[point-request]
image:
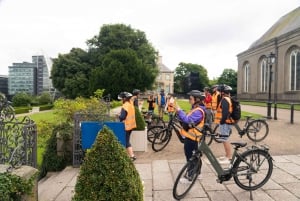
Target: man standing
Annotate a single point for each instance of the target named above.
(208, 104)
(222, 117)
(216, 98)
(161, 102)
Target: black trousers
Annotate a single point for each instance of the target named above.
(189, 147)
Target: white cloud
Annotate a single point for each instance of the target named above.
(210, 33)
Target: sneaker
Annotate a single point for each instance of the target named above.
(222, 158)
(184, 181)
(133, 158)
(225, 161)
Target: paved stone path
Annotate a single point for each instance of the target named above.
(159, 175)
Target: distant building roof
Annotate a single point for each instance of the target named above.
(162, 67)
(285, 24)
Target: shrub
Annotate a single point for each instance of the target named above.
(51, 161)
(107, 172)
(140, 122)
(12, 187)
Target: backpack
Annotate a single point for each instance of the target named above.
(236, 108)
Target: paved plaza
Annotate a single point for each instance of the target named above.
(159, 174)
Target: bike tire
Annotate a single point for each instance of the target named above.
(156, 121)
(261, 171)
(161, 140)
(180, 189)
(151, 132)
(257, 130)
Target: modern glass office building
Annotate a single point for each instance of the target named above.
(32, 78)
(4, 84)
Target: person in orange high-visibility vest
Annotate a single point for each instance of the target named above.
(216, 98)
(127, 116)
(171, 105)
(222, 117)
(195, 116)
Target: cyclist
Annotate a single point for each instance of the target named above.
(127, 116)
(208, 104)
(216, 98)
(161, 102)
(195, 116)
(223, 118)
(134, 98)
(171, 104)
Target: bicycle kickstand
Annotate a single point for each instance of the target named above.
(250, 180)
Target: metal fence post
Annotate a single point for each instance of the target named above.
(292, 113)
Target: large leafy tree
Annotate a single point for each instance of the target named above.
(229, 77)
(70, 73)
(78, 73)
(121, 70)
(183, 70)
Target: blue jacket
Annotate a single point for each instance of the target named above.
(195, 117)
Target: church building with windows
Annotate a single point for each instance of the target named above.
(270, 68)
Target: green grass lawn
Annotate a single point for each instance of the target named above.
(264, 104)
(48, 116)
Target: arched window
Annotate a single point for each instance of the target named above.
(246, 77)
(265, 73)
(294, 71)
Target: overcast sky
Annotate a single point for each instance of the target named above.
(210, 33)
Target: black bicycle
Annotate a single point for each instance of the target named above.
(161, 136)
(250, 169)
(152, 119)
(256, 130)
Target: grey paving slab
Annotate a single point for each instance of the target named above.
(220, 195)
(282, 195)
(293, 188)
(280, 176)
(243, 195)
(291, 168)
(145, 171)
(162, 177)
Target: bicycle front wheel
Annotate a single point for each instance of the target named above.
(152, 131)
(257, 130)
(253, 169)
(186, 178)
(161, 140)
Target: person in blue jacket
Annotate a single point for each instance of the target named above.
(196, 116)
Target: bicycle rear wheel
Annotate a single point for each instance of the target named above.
(186, 178)
(161, 140)
(253, 170)
(156, 121)
(257, 130)
(152, 131)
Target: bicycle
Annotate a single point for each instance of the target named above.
(161, 136)
(256, 130)
(250, 169)
(152, 120)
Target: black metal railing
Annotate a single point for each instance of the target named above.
(18, 137)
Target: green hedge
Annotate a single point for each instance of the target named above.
(107, 172)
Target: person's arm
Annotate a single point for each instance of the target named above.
(225, 111)
(195, 117)
(123, 115)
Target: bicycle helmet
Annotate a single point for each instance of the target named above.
(224, 88)
(215, 86)
(198, 95)
(206, 89)
(136, 92)
(124, 94)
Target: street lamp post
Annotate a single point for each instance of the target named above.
(271, 61)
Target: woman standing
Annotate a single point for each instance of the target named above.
(127, 116)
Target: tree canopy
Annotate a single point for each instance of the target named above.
(184, 70)
(229, 77)
(119, 58)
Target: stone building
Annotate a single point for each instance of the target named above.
(257, 78)
(165, 78)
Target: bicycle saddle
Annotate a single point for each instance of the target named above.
(239, 144)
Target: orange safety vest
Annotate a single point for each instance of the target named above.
(218, 115)
(214, 102)
(193, 133)
(130, 118)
